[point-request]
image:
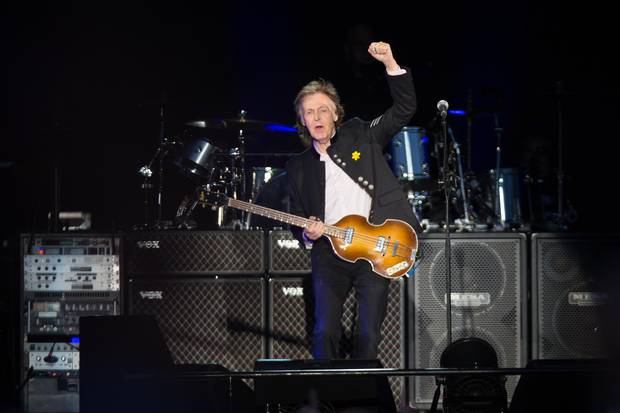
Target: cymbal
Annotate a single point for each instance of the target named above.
(237, 124)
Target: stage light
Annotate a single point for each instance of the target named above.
(471, 393)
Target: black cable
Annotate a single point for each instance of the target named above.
(29, 375)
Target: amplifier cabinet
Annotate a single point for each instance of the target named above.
(488, 301)
(291, 320)
(205, 321)
(286, 256)
(194, 253)
(570, 278)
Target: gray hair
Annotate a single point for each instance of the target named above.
(316, 86)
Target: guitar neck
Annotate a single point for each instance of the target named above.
(280, 216)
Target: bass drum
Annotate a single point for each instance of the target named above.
(271, 194)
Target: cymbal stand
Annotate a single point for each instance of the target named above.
(469, 128)
(241, 223)
(146, 186)
(242, 157)
(160, 187)
(499, 195)
(459, 164)
(146, 172)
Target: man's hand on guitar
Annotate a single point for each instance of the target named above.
(314, 229)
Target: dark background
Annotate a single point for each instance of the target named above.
(86, 82)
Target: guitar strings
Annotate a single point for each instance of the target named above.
(338, 232)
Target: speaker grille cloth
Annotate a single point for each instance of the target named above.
(206, 321)
(286, 256)
(568, 322)
(486, 303)
(200, 252)
(292, 321)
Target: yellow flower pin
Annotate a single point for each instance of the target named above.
(355, 155)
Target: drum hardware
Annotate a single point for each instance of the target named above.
(146, 172)
(568, 216)
(228, 165)
(459, 163)
(73, 220)
(184, 211)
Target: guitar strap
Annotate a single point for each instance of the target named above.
(374, 176)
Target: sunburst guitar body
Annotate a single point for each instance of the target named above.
(390, 248)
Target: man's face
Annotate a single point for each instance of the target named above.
(318, 112)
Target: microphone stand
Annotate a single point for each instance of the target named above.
(447, 187)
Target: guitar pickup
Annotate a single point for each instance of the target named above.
(380, 244)
(348, 235)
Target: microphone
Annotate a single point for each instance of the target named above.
(442, 107)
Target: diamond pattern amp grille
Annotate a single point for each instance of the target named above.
(286, 256)
(195, 252)
(292, 320)
(206, 320)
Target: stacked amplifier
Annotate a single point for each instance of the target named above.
(291, 317)
(65, 277)
(231, 297)
(206, 290)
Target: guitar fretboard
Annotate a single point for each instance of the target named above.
(282, 216)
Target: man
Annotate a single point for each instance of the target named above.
(342, 173)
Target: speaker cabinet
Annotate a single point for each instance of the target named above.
(205, 321)
(286, 256)
(194, 252)
(570, 274)
(291, 321)
(488, 300)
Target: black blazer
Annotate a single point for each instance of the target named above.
(306, 173)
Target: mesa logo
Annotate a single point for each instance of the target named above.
(293, 291)
(152, 295)
(148, 244)
(291, 244)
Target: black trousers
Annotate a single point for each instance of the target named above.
(332, 280)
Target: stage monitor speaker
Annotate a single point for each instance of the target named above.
(564, 391)
(570, 278)
(194, 253)
(488, 302)
(350, 393)
(291, 321)
(127, 367)
(205, 320)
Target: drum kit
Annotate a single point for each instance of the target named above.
(227, 155)
(480, 201)
(224, 155)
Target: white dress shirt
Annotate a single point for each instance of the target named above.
(343, 196)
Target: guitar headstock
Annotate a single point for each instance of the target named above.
(214, 199)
